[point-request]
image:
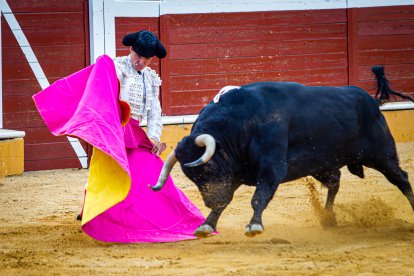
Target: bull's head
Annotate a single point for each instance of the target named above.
(204, 140)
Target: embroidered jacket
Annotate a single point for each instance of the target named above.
(141, 91)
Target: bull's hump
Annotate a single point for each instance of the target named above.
(224, 90)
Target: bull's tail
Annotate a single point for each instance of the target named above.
(383, 88)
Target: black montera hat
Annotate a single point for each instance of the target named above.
(145, 44)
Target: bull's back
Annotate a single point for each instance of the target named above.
(326, 127)
(307, 114)
(312, 107)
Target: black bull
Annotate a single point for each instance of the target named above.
(266, 133)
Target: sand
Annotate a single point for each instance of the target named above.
(39, 234)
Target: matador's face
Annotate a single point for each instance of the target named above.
(139, 62)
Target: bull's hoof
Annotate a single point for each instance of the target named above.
(203, 231)
(253, 230)
(329, 221)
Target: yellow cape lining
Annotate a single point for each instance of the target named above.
(108, 184)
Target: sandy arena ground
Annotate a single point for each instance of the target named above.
(375, 235)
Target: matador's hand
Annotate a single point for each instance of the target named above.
(158, 147)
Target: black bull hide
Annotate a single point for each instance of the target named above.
(266, 133)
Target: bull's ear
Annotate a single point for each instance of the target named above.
(182, 142)
(218, 145)
(183, 146)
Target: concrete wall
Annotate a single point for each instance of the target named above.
(11, 156)
(401, 124)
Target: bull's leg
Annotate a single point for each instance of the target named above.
(331, 181)
(216, 196)
(209, 225)
(398, 177)
(265, 189)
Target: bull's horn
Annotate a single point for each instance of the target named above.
(204, 140)
(165, 172)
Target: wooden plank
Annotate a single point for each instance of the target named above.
(50, 37)
(203, 97)
(52, 69)
(125, 25)
(391, 42)
(42, 135)
(23, 86)
(237, 33)
(19, 103)
(380, 28)
(22, 120)
(20, 87)
(219, 79)
(46, 6)
(49, 151)
(186, 109)
(137, 23)
(193, 97)
(45, 53)
(390, 13)
(52, 164)
(41, 21)
(262, 63)
(259, 19)
(259, 48)
(392, 71)
(17, 70)
(385, 57)
(401, 85)
(406, 85)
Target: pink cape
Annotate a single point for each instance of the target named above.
(121, 209)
